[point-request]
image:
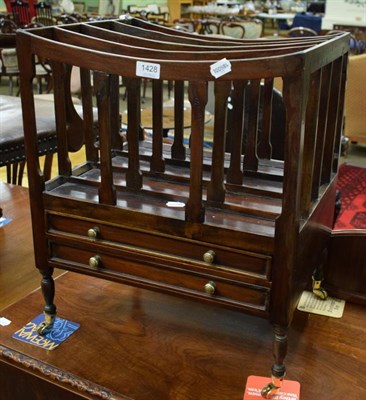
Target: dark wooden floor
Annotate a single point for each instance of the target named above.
(147, 345)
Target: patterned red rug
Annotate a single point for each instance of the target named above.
(351, 185)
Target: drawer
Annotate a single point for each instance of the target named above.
(159, 275)
(204, 253)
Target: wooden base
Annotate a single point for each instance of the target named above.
(137, 344)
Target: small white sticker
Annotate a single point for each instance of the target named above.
(175, 204)
(220, 68)
(4, 321)
(148, 70)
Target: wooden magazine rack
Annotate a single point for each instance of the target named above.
(249, 229)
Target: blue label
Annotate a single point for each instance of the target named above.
(4, 221)
(60, 331)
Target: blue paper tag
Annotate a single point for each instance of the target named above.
(4, 221)
(60, 331)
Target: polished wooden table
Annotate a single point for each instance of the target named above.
(138, 344)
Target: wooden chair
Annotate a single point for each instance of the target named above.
(22, 15)
(8, 56)
(209, 26)
(189, 25)
(249, 229)
(301, 31)
(44, 14)
(67, 19)
(233, 29)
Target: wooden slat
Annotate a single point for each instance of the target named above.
(216, 187)
(157, 162)
(103, 82)
(59, 76)
(334, 100)
(251, 158)
(197, 93)
(326, 74)
(133, 175)
(264, 149)
(91, 150)
(178, 149)
(312, 112)
(235, 172)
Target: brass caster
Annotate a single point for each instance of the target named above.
(273, 387)
(318, 291)
(44, 327)
(269, 390)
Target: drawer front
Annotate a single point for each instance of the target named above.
(200, 252)
(158, 274)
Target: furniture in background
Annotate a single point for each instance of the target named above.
(246, 231)
(310, 21)
(43, 13)
(233, 29)
(355, 116)
(187, 24)
(12, 152)
(22, 11)
(278, 18)
(8, 57)
(301, 31)
(177, 9)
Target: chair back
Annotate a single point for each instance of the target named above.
(233, 29)
(7, 26)
(187, 24)
(43, 14)
(21, 13)
(313, 22)
(210, 26)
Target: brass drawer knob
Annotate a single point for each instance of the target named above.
(93, 233)
(209, 256)
(95, 262)
(210, 288)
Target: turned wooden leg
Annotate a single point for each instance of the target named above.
(278, 368)
(48, 292)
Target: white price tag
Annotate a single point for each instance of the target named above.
(176, 204)
(220, 68)
(148, 70)
(4, 321)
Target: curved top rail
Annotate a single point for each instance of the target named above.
(111, 54)
(153, 31)
(132, 37)
(118, 47)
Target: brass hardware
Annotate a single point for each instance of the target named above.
(269, 390)
(273, 387)
(45, 326)
(210, 288)
(93, 233)
(209, 256)
(94, 262)
(318, 290)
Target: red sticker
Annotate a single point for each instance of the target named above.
(290, 390)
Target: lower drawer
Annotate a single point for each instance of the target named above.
(159, 276)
